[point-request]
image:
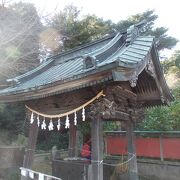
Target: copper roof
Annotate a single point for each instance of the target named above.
(120, 57)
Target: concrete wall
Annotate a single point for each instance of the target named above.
(79, 170)
(159, 170)
(148, 170)
(11, 158)
(70, 170)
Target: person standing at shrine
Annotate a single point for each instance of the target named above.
(86, 150)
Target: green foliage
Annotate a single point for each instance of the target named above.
(157, 118)
(84, 128)
(147, 16)
(4, 137)
(12, 117)
(46, 140)
(20, 27)
(172, 65)
(21, 140)
(176, 93)
(163, 41)
(163, 118)
(19, 39)
(74, 31)
(110, 126)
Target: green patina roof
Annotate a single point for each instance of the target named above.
(71, 67)
(120, 51)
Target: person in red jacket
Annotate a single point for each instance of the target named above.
(86, 150)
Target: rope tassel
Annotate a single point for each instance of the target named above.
(58, 116)
(83, 114)
(43, 125)
(69, 112)
(38, 121)
(59, 125)
(51, 126)
(75, 119)
(67, 125)
(32, 118)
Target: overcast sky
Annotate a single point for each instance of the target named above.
(168, 11)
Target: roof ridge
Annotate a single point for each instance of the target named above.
(82, 46)
(52, 58)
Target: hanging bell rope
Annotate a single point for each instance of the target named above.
(67, 113)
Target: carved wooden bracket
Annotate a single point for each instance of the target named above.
(118, 104)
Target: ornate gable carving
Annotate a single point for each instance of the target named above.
(89, 62)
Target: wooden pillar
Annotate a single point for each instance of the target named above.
(72, 140)
(133, 170)
(32, 139)
(97, 148)
(161, 147)
(29, 151)
(79, 142)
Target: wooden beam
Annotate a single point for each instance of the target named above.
(133, 171)
(120, 92)
(97, 148)
(116, 115)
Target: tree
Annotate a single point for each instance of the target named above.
(163, 41)
(19, 39)
(20, 27)
(172, 65)
(148, 16)
(171, 69)
(73, 31)
(163, 118)
(12, 118)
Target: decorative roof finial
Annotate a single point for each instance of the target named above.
(132, 33)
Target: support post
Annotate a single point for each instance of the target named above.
(29, 151)
(97, 148)
(161, 147)
(79, 142)
(72, 140)
(133, 170)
